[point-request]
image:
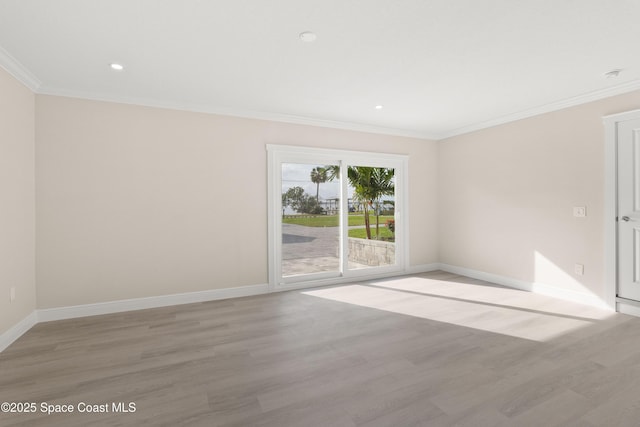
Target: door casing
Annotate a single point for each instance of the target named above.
(277, 154)
(611, 123)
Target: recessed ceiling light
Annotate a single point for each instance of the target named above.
(117, 67)
(613, 74)
(378, 107)
(308, 36)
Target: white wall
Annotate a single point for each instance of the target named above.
(506, 196)
(133, 201)
(17, 198)
(136, 201)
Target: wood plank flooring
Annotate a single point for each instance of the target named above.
(427, 350)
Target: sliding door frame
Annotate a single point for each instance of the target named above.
(279, 154)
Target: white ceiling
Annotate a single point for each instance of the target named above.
(439, 67)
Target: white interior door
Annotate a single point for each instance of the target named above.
(629, 209)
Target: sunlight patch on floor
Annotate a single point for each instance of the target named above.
(480, 291)
(485, 307)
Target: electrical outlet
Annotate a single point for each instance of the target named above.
(12, 294)
(579, 211)
(578, 269)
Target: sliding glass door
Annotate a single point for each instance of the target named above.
(334, 214)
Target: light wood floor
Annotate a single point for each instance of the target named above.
(427, 350)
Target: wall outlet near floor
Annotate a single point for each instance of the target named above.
(578, 269)
(12, 294)
(580, 211)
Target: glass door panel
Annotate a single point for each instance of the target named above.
(371, 229)
(311, 242)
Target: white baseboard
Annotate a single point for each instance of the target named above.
(84, 310)
(60, 313)
(538, 288)
(16, 331)
(626, 308)
(422, 268)
(71, 312)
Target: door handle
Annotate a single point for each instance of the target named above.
(626, 218)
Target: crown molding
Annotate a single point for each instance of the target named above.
(236, 112)
(16, 69)
(358, 127)
(546, 108)
(19, 71)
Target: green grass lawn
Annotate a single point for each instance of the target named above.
(313, 221)
(332, 220)
(361, 233)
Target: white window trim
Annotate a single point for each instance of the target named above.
(278, 154)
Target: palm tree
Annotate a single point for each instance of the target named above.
(333, 172)
(383, 185)
(369, 185)
(318, 176)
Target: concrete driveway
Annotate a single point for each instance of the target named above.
(309, 249)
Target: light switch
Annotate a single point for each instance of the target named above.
(579, 211)
(578, 269)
